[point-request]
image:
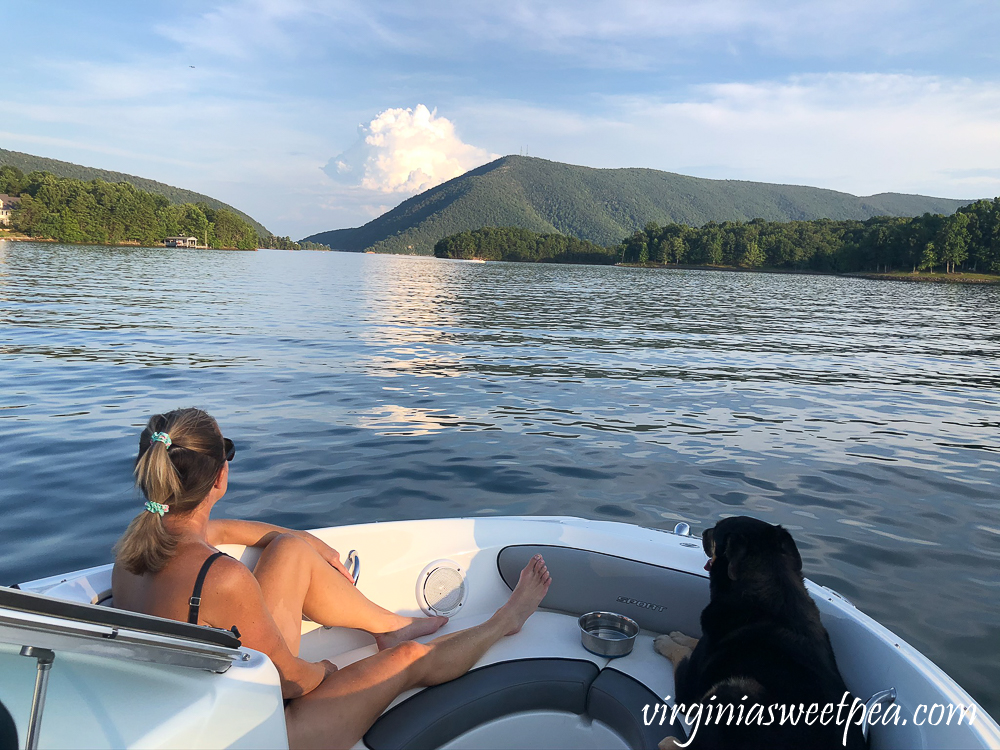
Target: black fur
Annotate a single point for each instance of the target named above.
(761, 638)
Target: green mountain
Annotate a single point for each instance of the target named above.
(28, 163)
(602, 205)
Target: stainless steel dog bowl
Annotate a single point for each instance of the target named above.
(608, 634)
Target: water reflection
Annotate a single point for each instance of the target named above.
(862, 415)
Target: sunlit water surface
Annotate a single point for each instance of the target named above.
(860, 414)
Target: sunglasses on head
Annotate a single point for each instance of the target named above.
(230, 448)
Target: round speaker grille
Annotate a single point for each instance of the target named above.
(441, 588)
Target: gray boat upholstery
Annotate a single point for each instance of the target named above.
(660, 599)
(8, 730)
(439, 714)
(617, 700)
(24, 601)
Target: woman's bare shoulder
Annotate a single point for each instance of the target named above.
(231, 585)
(232, 596)
(229, 573)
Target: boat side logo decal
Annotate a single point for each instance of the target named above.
(641, 604)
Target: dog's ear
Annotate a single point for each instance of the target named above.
(708, 541)
(735, 551)
(789, 549)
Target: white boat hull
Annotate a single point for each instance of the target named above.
(120, 703)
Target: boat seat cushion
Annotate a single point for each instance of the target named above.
(438, 714)
(618, 700)
(660, 599)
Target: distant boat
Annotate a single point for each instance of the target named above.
(181, 242)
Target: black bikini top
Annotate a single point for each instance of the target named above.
(194, 603)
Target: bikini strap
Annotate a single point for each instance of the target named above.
(194, 603)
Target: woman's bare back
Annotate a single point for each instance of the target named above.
(167, 593)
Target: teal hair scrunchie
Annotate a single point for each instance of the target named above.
(161, 437)
(157, 508)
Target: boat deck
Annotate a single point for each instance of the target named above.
(656, 578)
(546, 635)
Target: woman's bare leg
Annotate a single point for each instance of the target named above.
(347, 703)
(296, 581)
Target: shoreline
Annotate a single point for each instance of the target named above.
(919, 277)
(25, 238)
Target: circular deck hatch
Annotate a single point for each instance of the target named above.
(442, 588)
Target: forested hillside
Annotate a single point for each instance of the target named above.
(522, 246)
(28, 163)
(70, 210)
(968, 240)
(602, 205)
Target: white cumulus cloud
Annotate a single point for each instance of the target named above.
(406, 151)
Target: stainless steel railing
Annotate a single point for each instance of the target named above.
(59, 634)
(44, 657)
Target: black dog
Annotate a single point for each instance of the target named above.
(762, 643)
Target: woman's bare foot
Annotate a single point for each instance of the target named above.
(527, 595)
(418, 626)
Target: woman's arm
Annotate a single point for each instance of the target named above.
(257, 534)
(249, 533)
(236, 599)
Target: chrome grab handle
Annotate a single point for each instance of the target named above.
(353, 565)
(885, 697)
(45, 658)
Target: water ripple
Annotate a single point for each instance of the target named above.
(862, 415)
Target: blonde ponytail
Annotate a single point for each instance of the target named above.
(180, 456)
(146, 545)
(156, 474)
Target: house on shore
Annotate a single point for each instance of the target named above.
(7, 205)
(181, 242)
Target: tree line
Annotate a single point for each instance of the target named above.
(105, 213)
(521, 245)
(968, 240)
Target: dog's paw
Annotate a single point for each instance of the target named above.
(668, 647)
(684, 640)
(668, 743)
(664, 645)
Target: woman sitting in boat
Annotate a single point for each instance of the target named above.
(166, 564)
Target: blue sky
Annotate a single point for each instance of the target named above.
(320, 114)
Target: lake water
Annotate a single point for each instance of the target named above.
(863, 415)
